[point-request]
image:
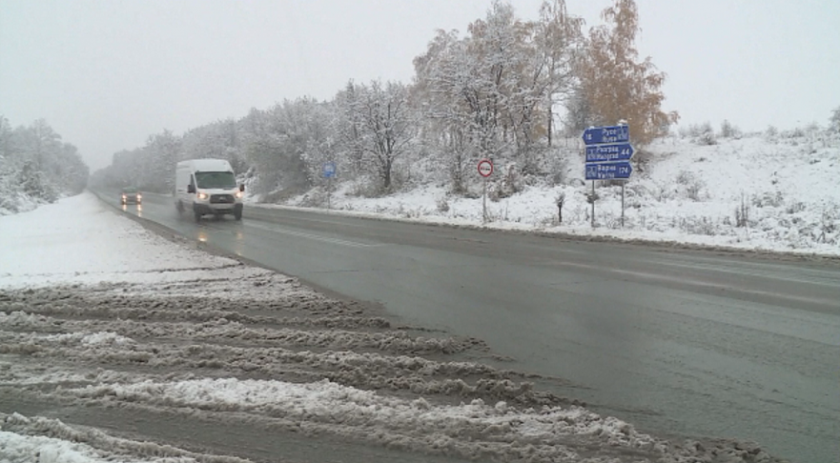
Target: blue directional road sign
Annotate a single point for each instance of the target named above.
(329, 170)
(611, 134)
(603, 153)
(608, 171)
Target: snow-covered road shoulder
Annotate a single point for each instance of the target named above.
(80, 240)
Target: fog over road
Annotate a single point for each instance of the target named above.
(686, 342)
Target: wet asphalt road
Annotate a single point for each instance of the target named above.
(690, 343)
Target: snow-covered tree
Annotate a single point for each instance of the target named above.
(348, 126)
(288, 143)
(161, 154)
(834, 121)
(469, 86)
(218, 140)
(5, 138)
(70, 171)
(381, 119)
(558, 38)
(441, 74)
(37, 164)
(492, 92)
(616, 84)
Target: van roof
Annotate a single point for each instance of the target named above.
(212, 165)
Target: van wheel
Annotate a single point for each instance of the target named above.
(237, 214)
(197, 216)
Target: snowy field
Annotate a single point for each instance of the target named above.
(777, 193)
(115, 343)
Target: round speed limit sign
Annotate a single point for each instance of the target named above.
(485, 168)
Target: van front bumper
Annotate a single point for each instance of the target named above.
(217, 208)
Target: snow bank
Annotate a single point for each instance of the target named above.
(45, 440)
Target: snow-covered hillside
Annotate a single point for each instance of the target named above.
(762, 191)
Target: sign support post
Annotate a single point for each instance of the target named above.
(484, 203)
(622, 204)
(592, 198)
(485, 169)
(329, 172)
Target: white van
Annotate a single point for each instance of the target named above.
(207, 186)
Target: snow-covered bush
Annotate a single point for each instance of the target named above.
(701, 134)
(742, 213)
(442, 205)
(703, 226)
(316, 197)
(768, 199)
(691, 184)
(830, 224)
(706, 138)
(795, 207)
(663, 192)
(728, 130)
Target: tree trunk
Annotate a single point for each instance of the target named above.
(386, 175)
(550, 124)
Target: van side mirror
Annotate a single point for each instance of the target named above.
(190, 188)
(241, 187)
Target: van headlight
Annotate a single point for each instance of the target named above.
(202, 195)
(238, 194)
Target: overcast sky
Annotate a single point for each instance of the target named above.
(107, 74)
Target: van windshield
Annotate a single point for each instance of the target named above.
(224, 180)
